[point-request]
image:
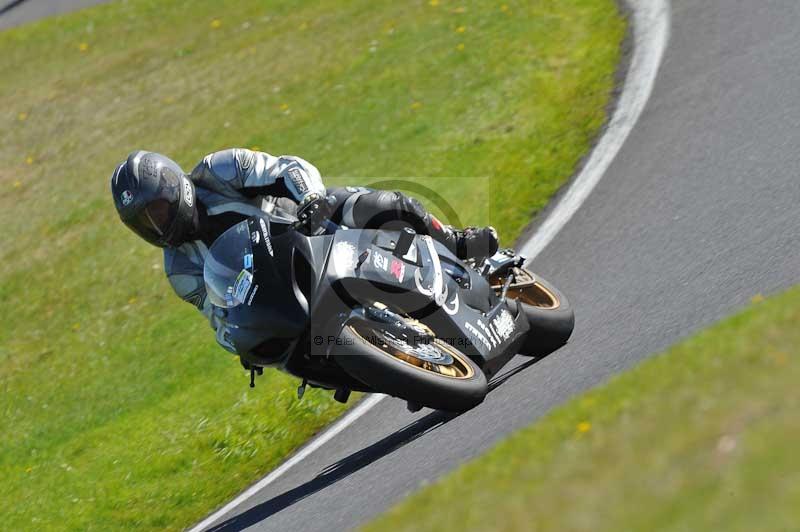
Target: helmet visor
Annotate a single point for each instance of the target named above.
(154, 222)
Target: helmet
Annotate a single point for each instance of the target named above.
(155, 198)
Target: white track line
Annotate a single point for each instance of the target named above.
(650, 34)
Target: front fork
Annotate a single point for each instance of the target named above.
(390, 323)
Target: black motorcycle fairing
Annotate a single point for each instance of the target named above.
(466, 307)
(306, 288)
(270, 309)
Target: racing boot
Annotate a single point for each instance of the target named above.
(476, 243)
(470, 243)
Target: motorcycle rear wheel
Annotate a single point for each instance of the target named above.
(456, 384)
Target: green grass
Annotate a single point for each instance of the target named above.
(118, 410)
(703, 437)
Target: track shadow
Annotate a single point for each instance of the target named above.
(353, 463)
(337, 471)
(503, 377)
(9, 6)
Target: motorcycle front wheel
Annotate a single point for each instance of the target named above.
(436, 374)
(549, 313)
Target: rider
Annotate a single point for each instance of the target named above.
(185, 213)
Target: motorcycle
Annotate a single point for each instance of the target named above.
(378, 311)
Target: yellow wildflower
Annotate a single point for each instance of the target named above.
(779, 357)
(461, 29)
(584, 427)
(83, 47)
(433, 3)
(758, 298)
(460, 47)
(22, 117)
(504, 8)
(17, 184)
(76, 326)
(255, 148)
(216, 24)
(131, 301)
(416, 105)
(284, 106)
(29, 160)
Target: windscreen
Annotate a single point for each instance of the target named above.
(228, 270)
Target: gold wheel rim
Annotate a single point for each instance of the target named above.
(529, 291)
(459, 369)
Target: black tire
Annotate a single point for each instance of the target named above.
(385, 373)
(551, 327)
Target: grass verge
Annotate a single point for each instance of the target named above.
(703, 437)
(117, 409)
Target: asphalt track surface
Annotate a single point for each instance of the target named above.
(16, 12)
(699, 211)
